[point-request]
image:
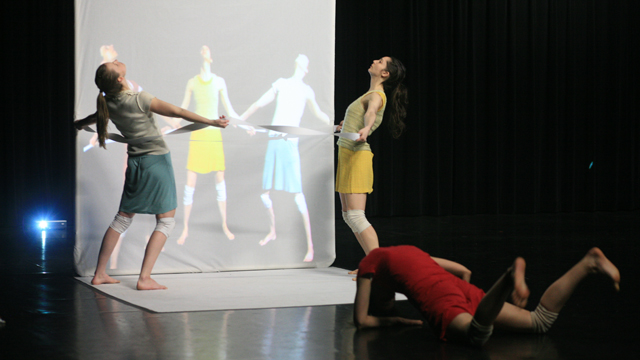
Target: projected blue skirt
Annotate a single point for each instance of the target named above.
(149, 186)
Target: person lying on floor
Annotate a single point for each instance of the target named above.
(454, 308)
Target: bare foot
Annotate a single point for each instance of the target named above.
(229, 234)
(149, 284)
(520, 290)
(270, 236)
(309, 256)
(99, 279)
(601, 264)
(183, 236)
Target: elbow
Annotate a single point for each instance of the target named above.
(359, 321)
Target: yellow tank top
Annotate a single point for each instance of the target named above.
(205, 94)
(354, 122)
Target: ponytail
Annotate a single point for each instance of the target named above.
(399, 96)
(107, 82)
(103, 120)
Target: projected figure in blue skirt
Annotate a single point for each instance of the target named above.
(282, 161)
(206, 153)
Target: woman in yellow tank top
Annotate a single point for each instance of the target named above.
(354, 176)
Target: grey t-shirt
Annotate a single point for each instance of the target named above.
(130, 112)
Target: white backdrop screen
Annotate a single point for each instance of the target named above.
(276, 55)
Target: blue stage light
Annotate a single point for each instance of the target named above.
(52, 228)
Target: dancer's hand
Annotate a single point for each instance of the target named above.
(375, 321)
(222, 122)
(363, 135)
(339, 127)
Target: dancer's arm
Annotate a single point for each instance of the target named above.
(89, 120)
(164, 108)
(372, 103)
(361, 316)
(175, 123)
(453, 267)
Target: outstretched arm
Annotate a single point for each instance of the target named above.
(453, 267)
(174, 122)
(224, 96)
(361, 316)
(316, 109)
(372, 104)
(265, 99)
(89, 120)
(164, 108)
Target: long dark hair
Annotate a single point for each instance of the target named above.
(107, 82)
(399, 97)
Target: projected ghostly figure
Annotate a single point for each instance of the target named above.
(206, 153)
(282, 160)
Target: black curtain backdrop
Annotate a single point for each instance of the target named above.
(510, 104)
(516, 106)
(38, 139)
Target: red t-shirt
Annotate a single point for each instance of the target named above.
(438, 294)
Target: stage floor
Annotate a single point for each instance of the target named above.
(51, 315)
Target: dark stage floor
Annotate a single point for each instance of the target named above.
(50, 315)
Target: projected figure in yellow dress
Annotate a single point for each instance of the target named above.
(206, 153)
(282, 160)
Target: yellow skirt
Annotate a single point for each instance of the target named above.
(355, 172)
(205, 156)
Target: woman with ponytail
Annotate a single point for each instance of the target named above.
(354, 176)
(149, 186)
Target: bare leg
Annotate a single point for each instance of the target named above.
(109, 242)
(151, 253)
(556, 295)
(113, 264)
(559, 292)
(510, 283)
(222, 206)
(307, 229)
(272, 225)
(192, 177)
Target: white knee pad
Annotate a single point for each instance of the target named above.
(188, 195)
(121, 223)
(542, 319)
(165, 225)
(357, 220)
(301, 202)
(478, 334)
(221, 188)
(266, 200)
(346, 220)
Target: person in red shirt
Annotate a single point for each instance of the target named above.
(453, 307)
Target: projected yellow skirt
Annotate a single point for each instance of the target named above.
(205, 156)
(355, 172)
